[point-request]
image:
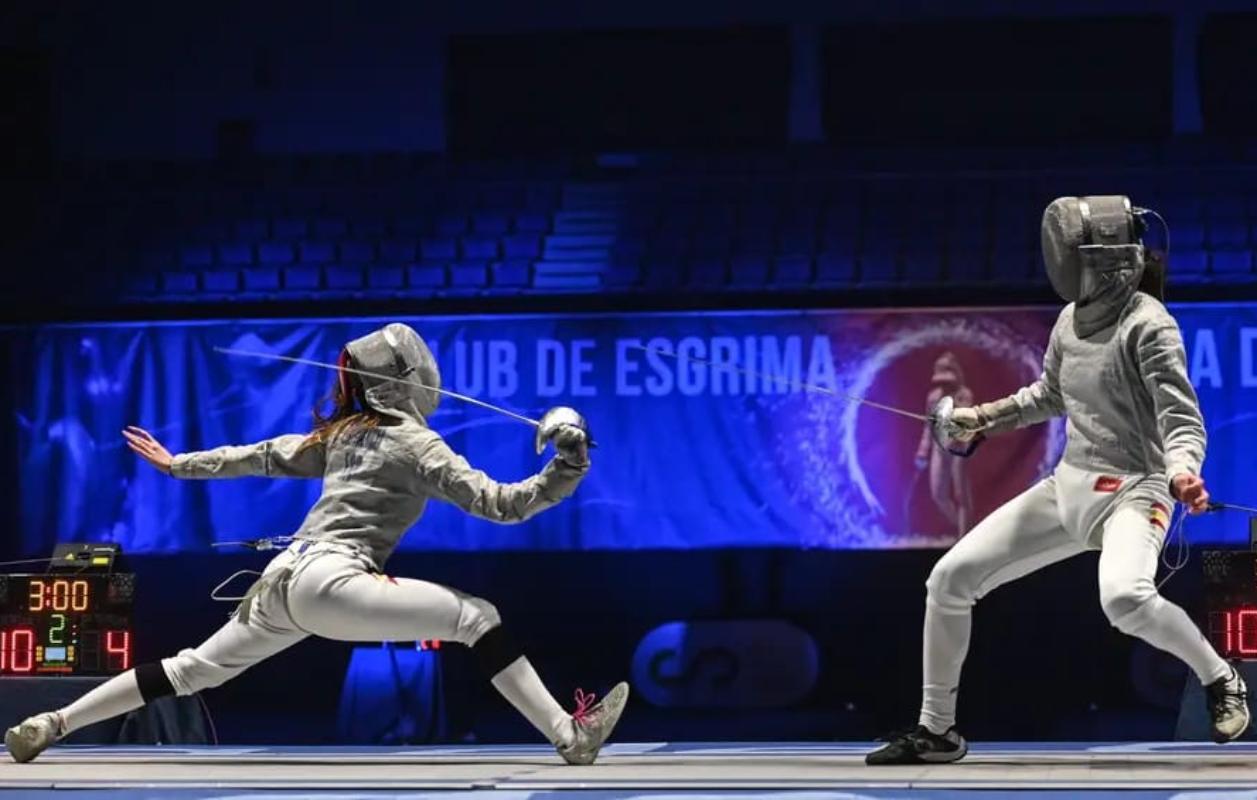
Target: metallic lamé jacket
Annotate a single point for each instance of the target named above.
(1125, 391)
(377, 480)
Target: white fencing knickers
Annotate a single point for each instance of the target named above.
(1124, 516)
(333, 591)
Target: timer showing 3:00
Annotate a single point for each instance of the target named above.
(60, 594)
(68, 625)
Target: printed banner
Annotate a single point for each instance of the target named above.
(691, 454)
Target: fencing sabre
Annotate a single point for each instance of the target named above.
(939, 417)
(550, 422)
(265, 543)
(1214, 506)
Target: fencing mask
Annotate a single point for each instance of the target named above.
(1094, 256)
(397, 352)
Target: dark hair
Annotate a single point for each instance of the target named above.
(349, 408)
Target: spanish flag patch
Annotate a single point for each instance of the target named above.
(1159, 515)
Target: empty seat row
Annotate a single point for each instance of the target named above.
(292, 229)
(520, 245)
(826, 269)
(561, 247)
(653, 232)
(311, 280)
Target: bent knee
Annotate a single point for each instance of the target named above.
(189, 673)
(951, 585)
(1123, 603)
(476, 617)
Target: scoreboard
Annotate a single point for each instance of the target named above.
(1231, 602)
(66, 624)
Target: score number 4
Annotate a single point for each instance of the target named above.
(59, 595)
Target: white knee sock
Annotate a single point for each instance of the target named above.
(943, 654)
(520, 684)
(118, 695)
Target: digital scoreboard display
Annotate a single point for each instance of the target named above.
(1231, 602)
(66, 624)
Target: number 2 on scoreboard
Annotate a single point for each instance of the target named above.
(56, 631)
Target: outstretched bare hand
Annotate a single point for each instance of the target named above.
(148, 448)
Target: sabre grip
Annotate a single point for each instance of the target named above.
(950, 424)
(570, 433)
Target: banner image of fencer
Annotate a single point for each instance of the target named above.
(706, 436)
(886, 481)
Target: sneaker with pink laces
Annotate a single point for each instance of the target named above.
(593, 723)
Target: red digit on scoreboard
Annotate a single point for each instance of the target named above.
(1246, 624)
(118, 648)
(23, 640)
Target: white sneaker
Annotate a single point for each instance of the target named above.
(1228, 707)
(593, 724)
(32, 736)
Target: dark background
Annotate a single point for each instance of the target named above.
(283, 159)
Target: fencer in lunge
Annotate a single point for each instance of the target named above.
(1115, 367)
(380, 464)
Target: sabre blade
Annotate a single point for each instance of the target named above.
(1232, 507)
(780, 379)
(338, 368)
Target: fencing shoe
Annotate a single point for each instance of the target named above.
(593, 724)
(1228, 707)
(32, 736)
(919, 745)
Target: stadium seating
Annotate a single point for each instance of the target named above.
(336, 226)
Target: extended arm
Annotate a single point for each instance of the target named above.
(447, 476)
(291, 456)
(1029, 405)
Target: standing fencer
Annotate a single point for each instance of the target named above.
(949, 479)
(380, 464)
(1116, 368)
